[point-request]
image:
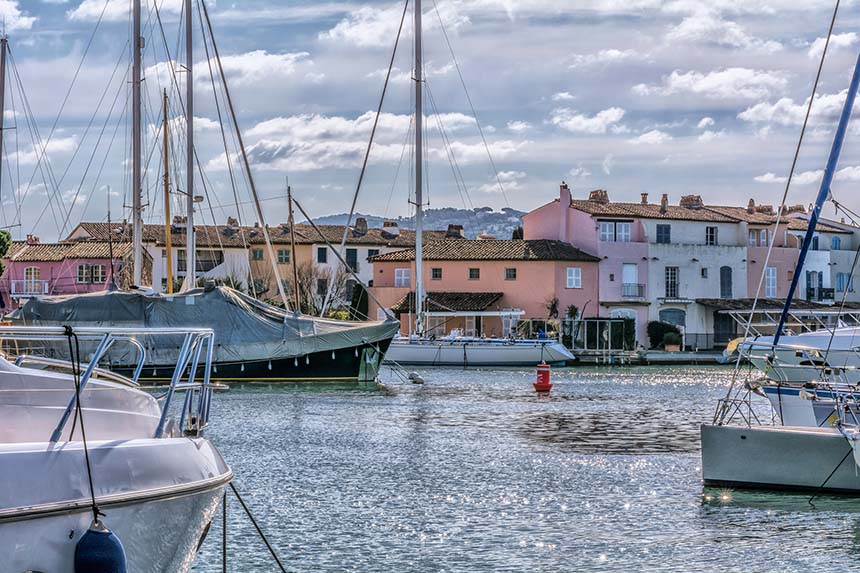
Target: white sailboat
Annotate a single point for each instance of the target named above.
(454, 350)
(154, 476)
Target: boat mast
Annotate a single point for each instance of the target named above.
(167, 238)
(297, 294)
(190, 239)
(823, 193)
(419, 159)
(4, 41)
(136, 207)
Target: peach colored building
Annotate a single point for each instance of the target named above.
(484, 278)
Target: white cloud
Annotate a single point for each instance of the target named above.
(836, 41)
(653, 137)
(114, 10)
(57, 145)
(578, 123)
(510, 181)
(709, 27)
(730, 83)
(563, 96)
(261, 66)
(705, 122)
(608, 163)
(13, 17)
(579, 172)
(802, 178)
(784, 111)
(519, 126)
(710, 135)
(604, 57)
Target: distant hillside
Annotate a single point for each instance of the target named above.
(500, 224)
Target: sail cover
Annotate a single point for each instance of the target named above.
(245, 328)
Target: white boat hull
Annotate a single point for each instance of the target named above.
(778, 457)
(476, 353)
(158, 496)
(801, 358)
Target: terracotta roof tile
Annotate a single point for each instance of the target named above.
(492, 250)
(648, 211)
(21, 251)
(449, 302)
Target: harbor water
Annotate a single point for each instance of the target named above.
(473, 471)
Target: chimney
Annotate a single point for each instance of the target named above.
(179, 219)
(751, 206)
(390, 229)
(599, 196)
(485, 236)
(644, 198)
(360, 227)
(691, 201)
(564, 194)
(664, 203)
(231, 222)
(454, 232)
(32, 240)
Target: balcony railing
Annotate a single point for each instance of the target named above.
(819, 294)
(632, 290)
(29, 288)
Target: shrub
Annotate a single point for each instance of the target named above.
(671, 339)
(657, 330)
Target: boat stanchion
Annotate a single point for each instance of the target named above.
(542, 383)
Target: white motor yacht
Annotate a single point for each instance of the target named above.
(156, 479)
(470, 351)
(801, 357)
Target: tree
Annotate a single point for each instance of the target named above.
(5, 243)
(517, 233)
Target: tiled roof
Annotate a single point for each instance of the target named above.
(21, 251)
(492, 250)
(762, 304)
(648, 211)
(449, 302)
(769, 218)
(238, 237)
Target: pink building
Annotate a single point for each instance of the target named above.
(619, 242)
(486, 278)
(36, 269)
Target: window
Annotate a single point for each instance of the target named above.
(770, 282)
(664, 234)
(206, 260)
(672, 282)
(322, 287)
(615, 231)
(322, 255)
(372, 252)
(98, 273)
(753, 238)
(726, 282)
(704, 272)
(474, 274)
(436, 274)
(402, 277)
(607, 231)
(257, 254)
(840, 282)
(815, 243)
(352, 259)
(283, 256)
(711, 235)
(835, 243)
(511, 274)
(762, 238)
(32, 273)
(83, 274)
(574, 277)
(163, 253)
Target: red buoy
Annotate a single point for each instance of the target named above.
(543, 384)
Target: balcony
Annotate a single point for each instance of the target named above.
(29, 288)
(632, 290)
(819, 294)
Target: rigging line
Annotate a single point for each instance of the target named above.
(74, 78)
(399, 165)
(471, 106)
(245, 159)
(785, 192)
(369, 147)
(43, 162)
(17, 186)
(98, 176)
(93, 154)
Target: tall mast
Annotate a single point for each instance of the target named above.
(297, 294)
(136, 207)
(167, 238)
(419, 164)
(190, 239)
(3, 45)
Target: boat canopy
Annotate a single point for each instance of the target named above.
(245, 328)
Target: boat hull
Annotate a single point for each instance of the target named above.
(778, 457)
(158, 497)
(360, 363)
(479, 353)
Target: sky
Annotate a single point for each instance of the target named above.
(660, 96)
